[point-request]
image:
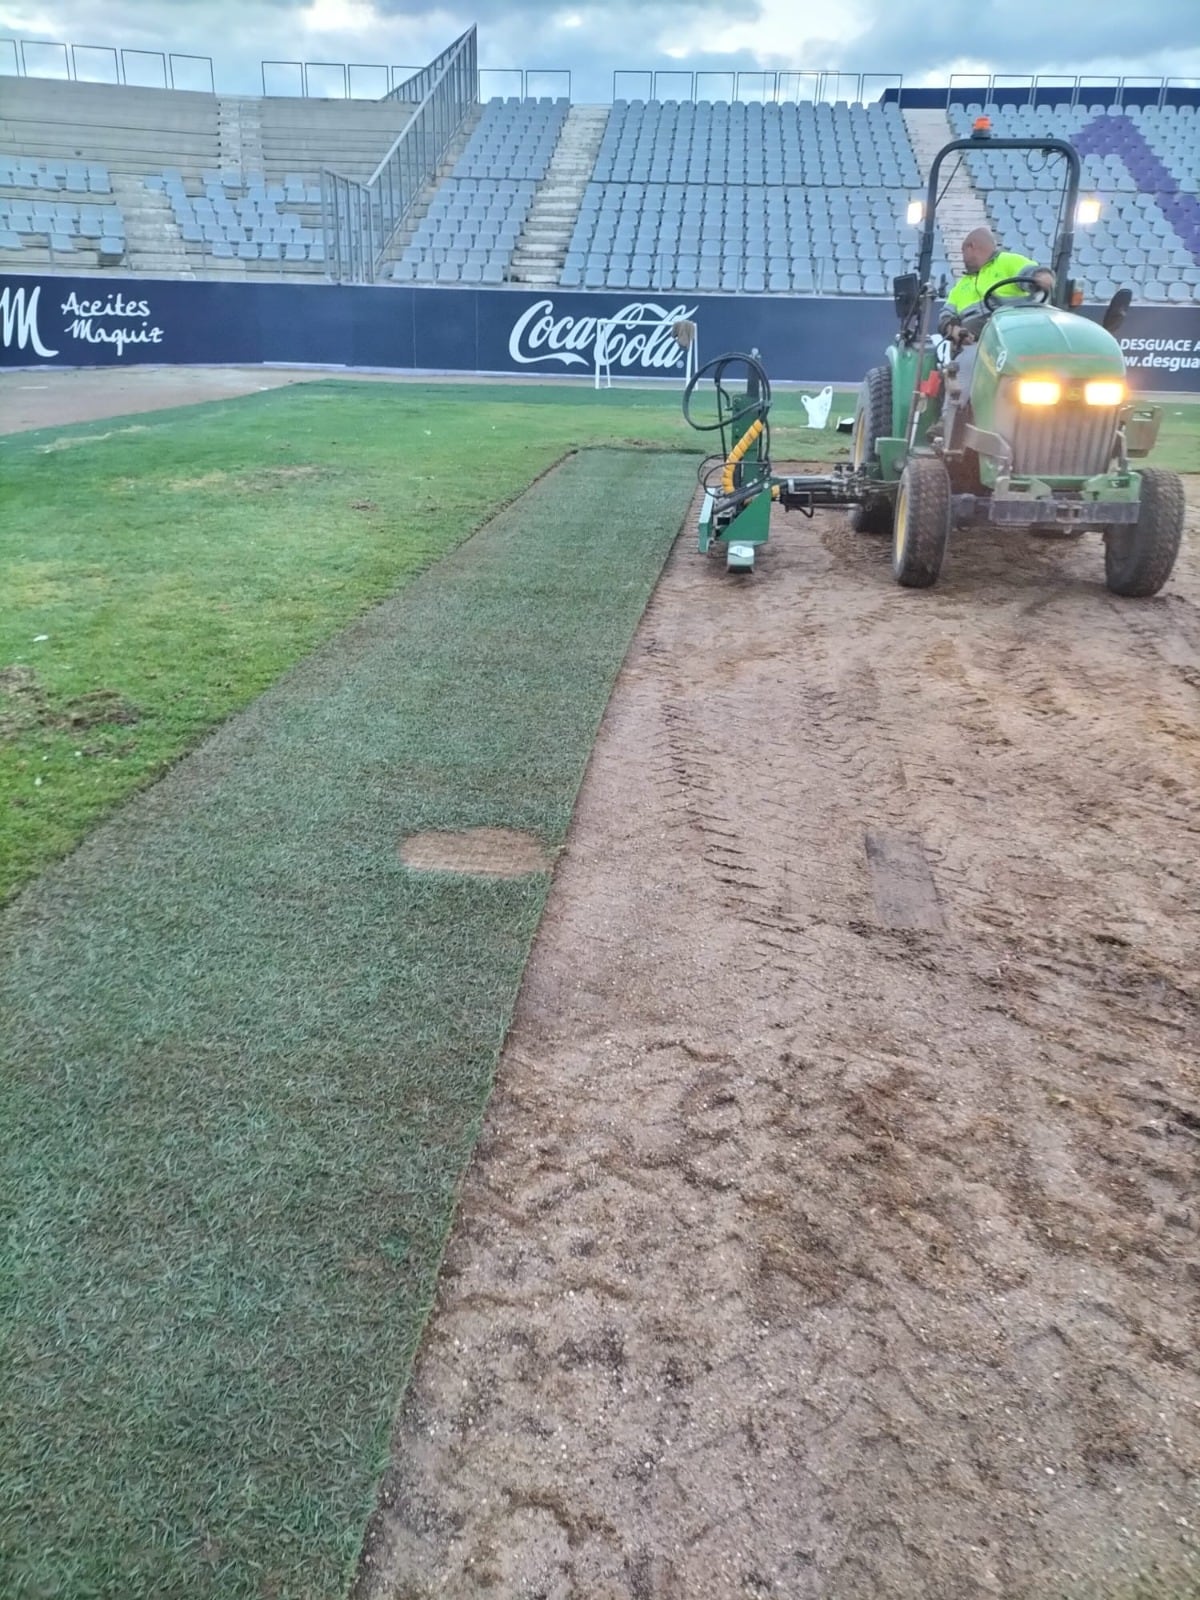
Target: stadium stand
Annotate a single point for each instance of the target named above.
(225, 218)
(474, 221)
(195, 182)
(59, 213)
(735, 143)
(750, 198)
(708, 196)
(663, 196)
(1140, 163)
(757, 238)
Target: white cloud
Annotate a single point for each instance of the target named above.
(853, 36)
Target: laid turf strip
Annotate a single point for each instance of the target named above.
(245, 1053)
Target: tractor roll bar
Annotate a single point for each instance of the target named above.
(1065, 242)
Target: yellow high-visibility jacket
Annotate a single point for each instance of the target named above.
(966, 297)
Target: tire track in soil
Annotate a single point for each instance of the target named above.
(806, 1256)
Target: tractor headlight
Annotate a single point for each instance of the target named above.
(1039, 391)
(1104, 392)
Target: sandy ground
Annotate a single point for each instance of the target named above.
(51, 397)
(834, 1228)
(48, 398)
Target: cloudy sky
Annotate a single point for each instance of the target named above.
(594, 37)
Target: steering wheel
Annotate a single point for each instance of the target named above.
(1035, 293)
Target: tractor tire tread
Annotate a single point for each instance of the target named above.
(925, 488)
(1141, 570)
(875, 514)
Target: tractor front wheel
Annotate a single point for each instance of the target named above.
(922, 529)
(872, 422)
(1138, 557)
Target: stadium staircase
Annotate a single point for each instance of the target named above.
(962, 208)
(239, 130)
(153, 242)
(546, 236)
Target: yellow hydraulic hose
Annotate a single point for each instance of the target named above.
(736, 454)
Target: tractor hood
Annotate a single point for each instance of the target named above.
(1066, 437)
(1030, 340)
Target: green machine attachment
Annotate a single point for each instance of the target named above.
(739, 484)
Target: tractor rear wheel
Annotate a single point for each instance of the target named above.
(922, 523)
(1138, 557)
(875, 514)
(872, 422)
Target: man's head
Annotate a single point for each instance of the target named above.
(978, 248)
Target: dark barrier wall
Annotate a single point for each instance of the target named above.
(74, 322)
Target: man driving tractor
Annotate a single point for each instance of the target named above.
(986, 265)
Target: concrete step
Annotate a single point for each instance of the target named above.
(544, 241)
(961, 207)
(170, 265)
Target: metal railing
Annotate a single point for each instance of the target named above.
(762, 88)
(46, 58)
(333, 80)
(1053, 88)
(529, 84)
(360, 220)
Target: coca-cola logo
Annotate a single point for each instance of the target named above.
(636, 335)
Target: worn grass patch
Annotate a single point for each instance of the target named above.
(244, 1054)
(179, 564)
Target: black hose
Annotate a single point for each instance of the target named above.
(717, 367)
(726, 409)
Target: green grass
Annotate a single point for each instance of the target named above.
(244, 1054)
(177, 563)
(1178, 444)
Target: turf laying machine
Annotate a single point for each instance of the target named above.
(1042, 443)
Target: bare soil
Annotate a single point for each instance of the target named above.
(835, 1230)
(52, 397)
(49, 397)
(486, 852)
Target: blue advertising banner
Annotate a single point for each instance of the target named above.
(76, 322)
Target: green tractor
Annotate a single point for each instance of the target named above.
(1044, 442)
